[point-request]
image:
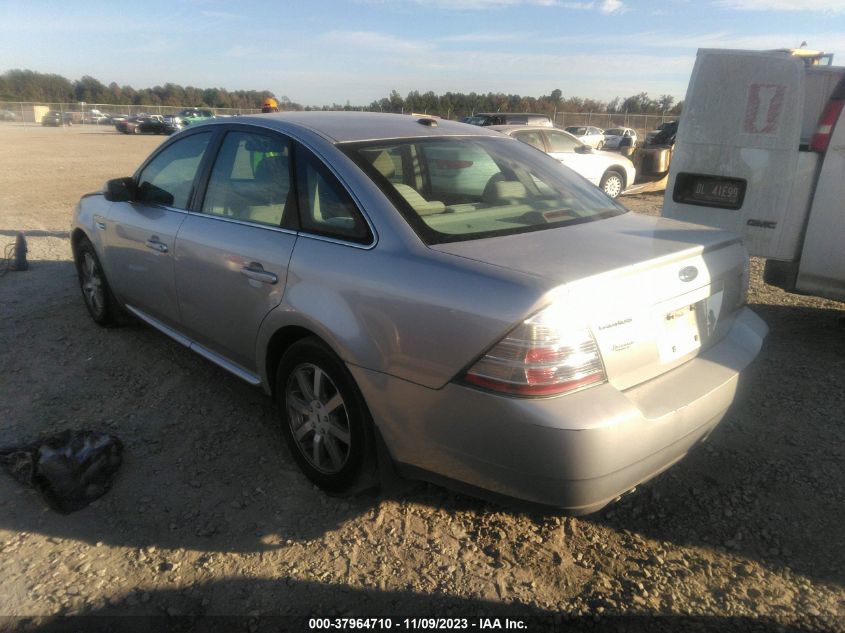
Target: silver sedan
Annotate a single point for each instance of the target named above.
(418, 293)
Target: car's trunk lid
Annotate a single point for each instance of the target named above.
(654, 292)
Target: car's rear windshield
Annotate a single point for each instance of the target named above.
(614, 131)
(456, 188)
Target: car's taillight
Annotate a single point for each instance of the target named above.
(542, 356)
(821, 139)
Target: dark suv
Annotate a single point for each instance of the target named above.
(508, 118)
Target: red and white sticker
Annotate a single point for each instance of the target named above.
(763, 108)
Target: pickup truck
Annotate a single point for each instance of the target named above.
(760, 150)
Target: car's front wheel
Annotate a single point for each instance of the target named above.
(101, 303)
(325, 421)
(612, 183)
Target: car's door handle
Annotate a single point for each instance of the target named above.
(256, 271)
(157, 245)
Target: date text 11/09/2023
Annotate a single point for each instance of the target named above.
(430, 624)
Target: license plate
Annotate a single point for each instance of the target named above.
(709, 191)
(679, 334)
(684, 329)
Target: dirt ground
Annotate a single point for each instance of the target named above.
(210, 515)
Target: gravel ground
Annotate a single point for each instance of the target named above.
(210, 515)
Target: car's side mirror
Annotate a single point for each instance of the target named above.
(120, 190)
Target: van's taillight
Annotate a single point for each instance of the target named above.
(821, 139)
(542, 356)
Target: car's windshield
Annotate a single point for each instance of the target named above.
(578, 131)
(453, 189)
(614, 131)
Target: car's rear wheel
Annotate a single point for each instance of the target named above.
(325, 421)
(612, 183)
(101, 303)
(600, 144)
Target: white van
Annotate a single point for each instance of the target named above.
(761, 150)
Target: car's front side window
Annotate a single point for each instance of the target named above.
(532, 138)
(560, 142)
(169, 178)
(251, 179)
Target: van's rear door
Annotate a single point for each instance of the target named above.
(737, 163)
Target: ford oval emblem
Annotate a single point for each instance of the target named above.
(688, 273)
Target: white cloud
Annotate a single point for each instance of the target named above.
(485, 5)
(357, 41)
(827, 6)
(485, 38)
(612, 6)
(221, 15)
(242, 51)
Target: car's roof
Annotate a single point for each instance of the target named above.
(345, 127)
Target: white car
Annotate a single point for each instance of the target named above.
(610, 172)
(614, 136)
(587, 134)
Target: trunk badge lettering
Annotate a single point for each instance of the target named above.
(688, 273)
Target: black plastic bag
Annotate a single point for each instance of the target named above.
(70, 469)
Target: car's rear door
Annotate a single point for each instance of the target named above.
(737, 163)
(233, 251)
(139, 236)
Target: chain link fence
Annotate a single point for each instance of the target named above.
(91, 113)
(642, 123)
(95, 113)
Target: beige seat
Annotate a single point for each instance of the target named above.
(499, 191)
(384, 165)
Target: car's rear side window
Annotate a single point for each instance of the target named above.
(458, 188)
(168, 178)
(251, 179)
(325, 208)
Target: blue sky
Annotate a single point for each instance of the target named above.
(332, 51)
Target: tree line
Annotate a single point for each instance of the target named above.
(28, 85)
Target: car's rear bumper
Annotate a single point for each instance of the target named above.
(577, 452)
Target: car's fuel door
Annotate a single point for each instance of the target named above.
(736, 163)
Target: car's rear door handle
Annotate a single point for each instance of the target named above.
(256, 271)
(156, 244)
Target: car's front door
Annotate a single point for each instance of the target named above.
(233, 256)
(140, 235)
(562, 146)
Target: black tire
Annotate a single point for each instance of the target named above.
(334, 465)
(600, 145)
(612, 183)
(96, 293)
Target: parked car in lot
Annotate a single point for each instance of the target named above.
(7, 115)
(54, 118)
(508, 118)
(588, 135)
(613, 137)
(530, 337)
(610, 172)
(664, 134)
(195, 115)
(95, 117)
(156, 124)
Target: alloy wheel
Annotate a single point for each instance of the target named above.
(92, 283)
(318, 418)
